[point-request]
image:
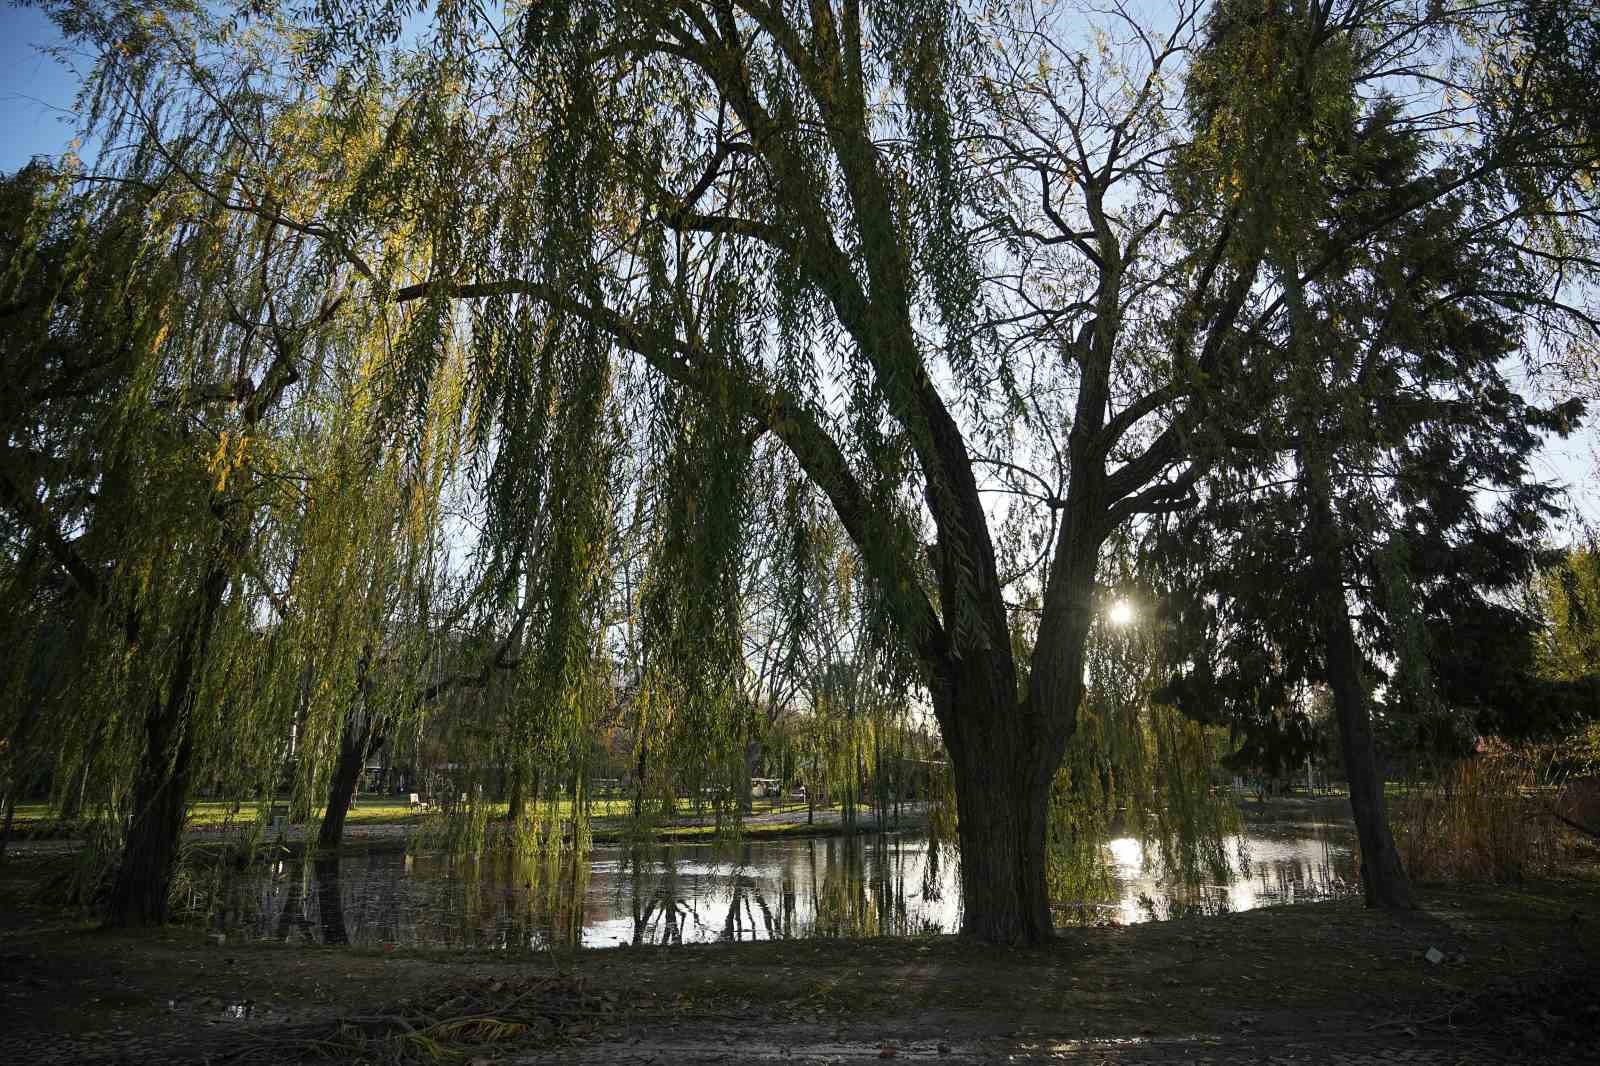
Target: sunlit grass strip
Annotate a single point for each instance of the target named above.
(369, 811)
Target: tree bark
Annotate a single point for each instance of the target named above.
(1002, 784)
(160, 800)
(752, 762)
(354, 749)
(161, 790)
(1383, 878)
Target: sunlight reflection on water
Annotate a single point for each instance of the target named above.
(758, 890)
(1267, 865)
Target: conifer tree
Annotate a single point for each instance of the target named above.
(1371, 511)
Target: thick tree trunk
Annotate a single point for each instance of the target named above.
(1002, 783)
(160, 800)
(1383, 877)
(161, 790)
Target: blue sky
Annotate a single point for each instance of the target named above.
(36, 97)
(36, 91)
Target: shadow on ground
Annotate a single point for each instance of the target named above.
(1322, 983)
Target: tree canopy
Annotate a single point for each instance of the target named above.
(994, 292)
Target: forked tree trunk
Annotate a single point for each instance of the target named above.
(1383, 878)
(1002, 782)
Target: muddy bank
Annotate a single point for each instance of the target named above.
(1315, 983)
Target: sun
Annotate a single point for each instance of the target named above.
(1121, 613)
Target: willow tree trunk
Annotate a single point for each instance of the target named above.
(160, 800)
(517, 803)
(752, 763)
(353, 753)
(161, 789)
(1383, 877)
(1002, 778)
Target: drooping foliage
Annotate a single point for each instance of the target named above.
(992, 283)
(1565, 595)
(1140, 770)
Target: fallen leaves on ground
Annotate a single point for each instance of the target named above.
(465, 1015)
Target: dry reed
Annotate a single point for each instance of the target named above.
(1477, 819)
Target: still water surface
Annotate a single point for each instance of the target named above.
(758, 890)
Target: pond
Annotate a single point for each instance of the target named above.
(756, 890)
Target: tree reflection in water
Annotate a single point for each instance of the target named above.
(756, 890)
(330, 901)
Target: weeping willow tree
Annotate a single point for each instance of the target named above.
(184, 374)
(766, 207)
(40, 622)
(233, 478)
(172, 436)
(768, 221)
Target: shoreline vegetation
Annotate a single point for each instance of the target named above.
(382, 819)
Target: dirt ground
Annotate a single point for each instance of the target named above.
(1519, 981)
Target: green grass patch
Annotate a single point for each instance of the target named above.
(396, 810)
